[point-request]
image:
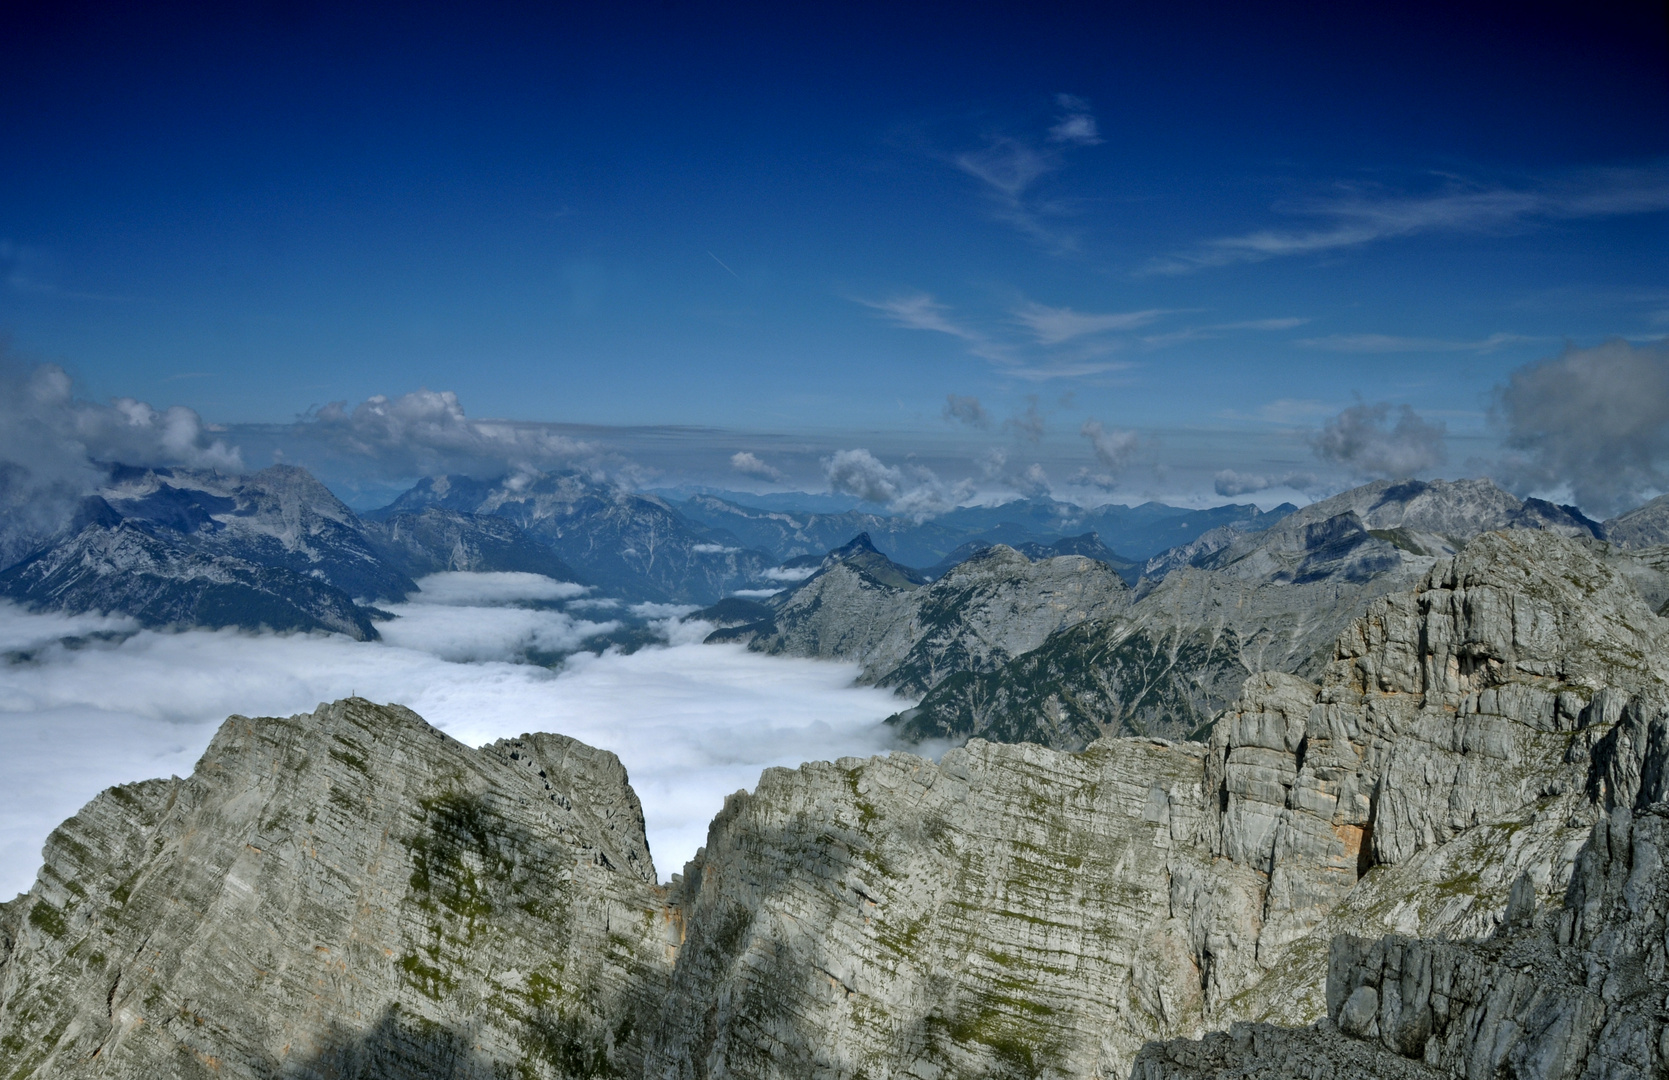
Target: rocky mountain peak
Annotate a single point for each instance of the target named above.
(860, 555)
(858, 545)
(1644, 526)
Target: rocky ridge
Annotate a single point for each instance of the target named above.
(350, 893)
(1232, 604)
(1009, 911)
(906, 633)
(175, 547)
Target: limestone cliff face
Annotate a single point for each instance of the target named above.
(1005, 912)
(1574, 989)
(899, 918)
(347, 894)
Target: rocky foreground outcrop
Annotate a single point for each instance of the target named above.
(1575, 989)
(353, 894)
(350, 893)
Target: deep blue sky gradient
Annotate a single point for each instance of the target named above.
(683, 214)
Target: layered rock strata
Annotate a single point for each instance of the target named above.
(897, 918)
(346, 894)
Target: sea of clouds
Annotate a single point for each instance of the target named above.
(90, 701)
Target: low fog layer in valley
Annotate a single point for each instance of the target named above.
(692, 723)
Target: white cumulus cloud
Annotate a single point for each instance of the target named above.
(750, 464)
(909, 489)
(56, 446)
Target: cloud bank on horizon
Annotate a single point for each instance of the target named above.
(1589, 425)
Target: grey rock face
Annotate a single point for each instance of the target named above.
(1567, 991)
(897, 918)
(1644, 526)
(347, 894)
(994, 606)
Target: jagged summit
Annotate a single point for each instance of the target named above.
(860, 554)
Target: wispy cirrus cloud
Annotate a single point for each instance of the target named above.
(1077, 125)
(1022, 360)
(1390, 343)
(1052, 325)
(1057, 342)
(1011, 165)
(1288, 323)
(919, 311)
(1212, 331)
(1356, 218)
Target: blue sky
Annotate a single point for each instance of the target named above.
(1206, 229)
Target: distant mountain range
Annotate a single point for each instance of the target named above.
(1134, 533)
(275, 549)
(1022, 622)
